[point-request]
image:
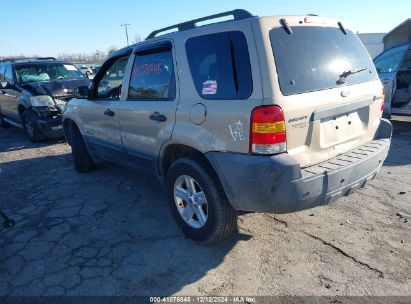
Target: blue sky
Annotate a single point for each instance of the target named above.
(49, 28)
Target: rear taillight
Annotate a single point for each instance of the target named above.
(382, 98)
(268, 131)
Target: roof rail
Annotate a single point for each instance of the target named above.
(45, 58)
(27, 59)
(238, 14)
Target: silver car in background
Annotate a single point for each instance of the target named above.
(394, 69)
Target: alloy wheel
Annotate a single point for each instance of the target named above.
(191, 201)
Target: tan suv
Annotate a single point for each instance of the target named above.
(270, 114)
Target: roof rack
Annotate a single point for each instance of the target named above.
(45, 58)
(238, 14)
(27, 59)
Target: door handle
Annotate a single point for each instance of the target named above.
(110, 113)
(158, 117)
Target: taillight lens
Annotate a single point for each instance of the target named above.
(268, 131)
(382, 98)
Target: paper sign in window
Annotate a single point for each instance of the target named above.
(70, 67)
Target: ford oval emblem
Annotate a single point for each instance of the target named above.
(345, 93)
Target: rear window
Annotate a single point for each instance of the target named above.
(313, 58)
(220, 65)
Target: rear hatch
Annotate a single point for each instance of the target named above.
(326, 84)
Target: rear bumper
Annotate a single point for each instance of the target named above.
(277, 184)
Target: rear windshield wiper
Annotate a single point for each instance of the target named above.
(344, 75)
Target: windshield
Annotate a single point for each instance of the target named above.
(314, 58)
(36, 72)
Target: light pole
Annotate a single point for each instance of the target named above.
(125, 26)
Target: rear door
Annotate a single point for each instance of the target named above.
(147, 113)
(388, 64)
(327, 87)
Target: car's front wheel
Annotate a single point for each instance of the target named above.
(198, 201)
(32, 131)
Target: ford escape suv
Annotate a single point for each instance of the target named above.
(270, 114)
(33, 91)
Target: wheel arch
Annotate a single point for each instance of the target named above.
(21, 108)
(175, 151)
(70, 118)
(67, 123)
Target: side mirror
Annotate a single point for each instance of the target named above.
(81, 92)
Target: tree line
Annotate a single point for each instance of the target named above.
(96, 57)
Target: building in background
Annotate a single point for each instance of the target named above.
(373, 42)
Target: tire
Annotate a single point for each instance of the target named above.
(81, 158)
(3, 124)
(221, 218)
(34, 134)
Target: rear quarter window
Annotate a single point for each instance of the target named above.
(220, 65)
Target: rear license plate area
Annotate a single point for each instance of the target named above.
(342, 128)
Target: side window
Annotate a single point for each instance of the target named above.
(152, 77)
(406, 64)
(109, 85)
(220, 65)
(8, 76)
(390, 60)
(2, 71)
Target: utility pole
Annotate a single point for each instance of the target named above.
(125, 26)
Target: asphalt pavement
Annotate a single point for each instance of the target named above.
(110, 232)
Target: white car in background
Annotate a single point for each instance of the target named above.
(86, 70)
